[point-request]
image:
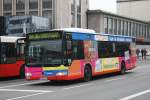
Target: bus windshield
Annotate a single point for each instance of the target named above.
(44, 52)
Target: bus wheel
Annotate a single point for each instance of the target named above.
(123, 68)
(22, 72)
(87, 73)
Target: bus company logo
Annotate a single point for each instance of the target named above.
(128, 39)
(112, 38)
(120, 39)
(101, 38)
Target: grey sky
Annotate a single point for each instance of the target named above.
(107, 5)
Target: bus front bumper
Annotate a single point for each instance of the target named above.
(37, 74)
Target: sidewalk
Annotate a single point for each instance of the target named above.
(145, 61)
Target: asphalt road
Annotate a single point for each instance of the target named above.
(134, 85)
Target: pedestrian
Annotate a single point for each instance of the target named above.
(137, 53)
(145, 53)
(142, 53)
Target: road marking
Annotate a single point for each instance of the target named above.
(25, 96)
(114, 79)
(135, 95)
(21, 84)
(76, 86)
(18, 90)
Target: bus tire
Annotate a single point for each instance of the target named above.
(22, 71)
(123, 68)
(87, 73)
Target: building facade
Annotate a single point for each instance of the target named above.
(109, 23)
(134, 8)
(62, 13)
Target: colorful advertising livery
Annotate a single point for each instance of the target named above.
(69, 55)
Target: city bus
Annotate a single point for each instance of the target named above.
(12, 56)
(67, 54)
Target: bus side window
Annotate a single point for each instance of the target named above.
(68, 52)
(20, 51)
(9, 55)
(106, 49)
(3, 54)
(78, 49)
(119, 50)
(122, 48)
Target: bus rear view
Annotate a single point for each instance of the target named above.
(12, 56)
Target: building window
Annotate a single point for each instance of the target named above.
(128, 33)
(78, 2)
(48, 11)
(20, 13)
(139, 30)
(20, 4)
(110, 25)
(148, 32)
(7, 4)
(130, 28)
(115, 26)
(7, 13)
(122, 27)
(47, 4)
(78, 20)
(72, 6)
(72, 20)
(48, 14)
(76, 13)
(142, 31)
(125, 28)
(106, 24)
(136, 29)
(35, 13)
(33, 4)
(72, 13)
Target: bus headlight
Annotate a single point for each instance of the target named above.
(28, 74)
(61, 73)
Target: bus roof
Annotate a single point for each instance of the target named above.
(79, 30)
(9, 39)
(88, 31)
(87, 34)
(116, 35)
